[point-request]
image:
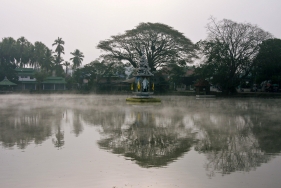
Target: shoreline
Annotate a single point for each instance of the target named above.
(172, 93)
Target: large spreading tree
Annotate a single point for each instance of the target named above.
(162, 45)
(229, 51)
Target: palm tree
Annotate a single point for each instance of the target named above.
(8, 50)
(48, 62)
(59, 49)
(24, 51)
(77, 59)
(21, 42)
(66, 64)
(39, 53)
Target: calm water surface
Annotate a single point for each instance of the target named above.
(70, 141)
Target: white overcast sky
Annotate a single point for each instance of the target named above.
(83, 23)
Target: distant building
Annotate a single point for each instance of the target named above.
(202, 87)
(26, 79)
(112, 83)
(187, 80)
(6, 85)
(54, 83)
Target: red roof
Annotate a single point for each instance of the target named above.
(202, 83)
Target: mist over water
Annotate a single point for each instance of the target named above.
(102, 141)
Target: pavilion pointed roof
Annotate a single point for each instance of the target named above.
(7, 82)
(143, 67)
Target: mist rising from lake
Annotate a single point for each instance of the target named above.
(102, 141)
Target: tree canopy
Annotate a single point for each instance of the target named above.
(59, 50)
(162, 44)
(58, 59)
(229, 51)
(22, 53)
(96, 70)
(77, 58)
(268, 61)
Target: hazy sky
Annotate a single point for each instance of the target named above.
(83, 23)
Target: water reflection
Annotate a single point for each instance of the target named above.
(229, 143)
(267, 131)
(77, 122)
(147, 138)
(233, 134)
(58, 141)
(237, 140)
(29, 121)
(20, 128)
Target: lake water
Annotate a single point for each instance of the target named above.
(67, 141)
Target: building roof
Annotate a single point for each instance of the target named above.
(29, 82)
(131, 80)
(25, 71)
(189, 71)
(202, 83)
(54, 80)
(6, 82)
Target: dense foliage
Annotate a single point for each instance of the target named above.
(77, 58)
(98, 73)
(22, 53)
(268, 61)
(162, 44)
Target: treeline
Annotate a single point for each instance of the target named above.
(231, 55)
(22, 53)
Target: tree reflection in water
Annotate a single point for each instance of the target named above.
(59, 140)
(77, 122)
(234, 135)
(231, 146)
(21, 127)
(232, 141)
(146, 138)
